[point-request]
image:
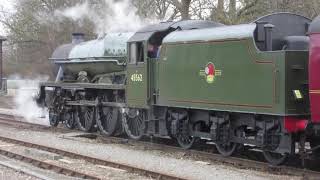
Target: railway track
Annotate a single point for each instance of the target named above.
(233, 161)
(46, 165)
(62, 170)
(17, 120)
(129, 168)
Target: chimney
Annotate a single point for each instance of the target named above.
(77, 38)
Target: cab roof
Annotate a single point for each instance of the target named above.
(146, 32)
(212, 34)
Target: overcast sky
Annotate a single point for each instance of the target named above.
(6, 6)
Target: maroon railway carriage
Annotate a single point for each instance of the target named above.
(314, 70)
(314, 85)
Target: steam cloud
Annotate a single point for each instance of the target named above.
(120, 16)
(25, 105)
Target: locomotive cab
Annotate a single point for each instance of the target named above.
(144, 49)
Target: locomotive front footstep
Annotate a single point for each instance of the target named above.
(254, 83)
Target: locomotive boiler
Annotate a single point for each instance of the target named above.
(234, 85)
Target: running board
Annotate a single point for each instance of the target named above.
(94, 103)
(82, 86)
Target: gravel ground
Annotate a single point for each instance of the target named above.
(6, 102)
(103, 172)
(153, 160)
(10, 174)
(25, 169)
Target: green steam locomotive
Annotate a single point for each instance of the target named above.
(189, 80)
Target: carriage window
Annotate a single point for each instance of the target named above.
(136, 52)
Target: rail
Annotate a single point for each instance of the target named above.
(237, 162)
(129, 168)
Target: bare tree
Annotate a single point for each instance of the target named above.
(162, 7)
(218, 12)
(33, 35)
(232, 9)
(220, 8)
(145, 8)
(183, 7)
(158, 9)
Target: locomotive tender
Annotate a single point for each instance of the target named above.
(234, 85)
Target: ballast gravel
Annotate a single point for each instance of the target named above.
(102, 172)
(151, 160)
(7, 102)
(10, 174)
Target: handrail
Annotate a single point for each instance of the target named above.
(91, 61)
(86, 58)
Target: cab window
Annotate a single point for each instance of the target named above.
(136, 52)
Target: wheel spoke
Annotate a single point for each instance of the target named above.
(226, 149)
(53, 118)
(108, 120)
(137, 127)
(275, 158)
(134, 127)
(180, 123)
(69, 120)
(85, 119)
(133, 124)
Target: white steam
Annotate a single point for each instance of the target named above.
(119, 16)
(24, 101)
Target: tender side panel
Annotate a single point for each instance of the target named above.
(243, 80)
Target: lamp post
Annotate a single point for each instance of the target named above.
(1, 62)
